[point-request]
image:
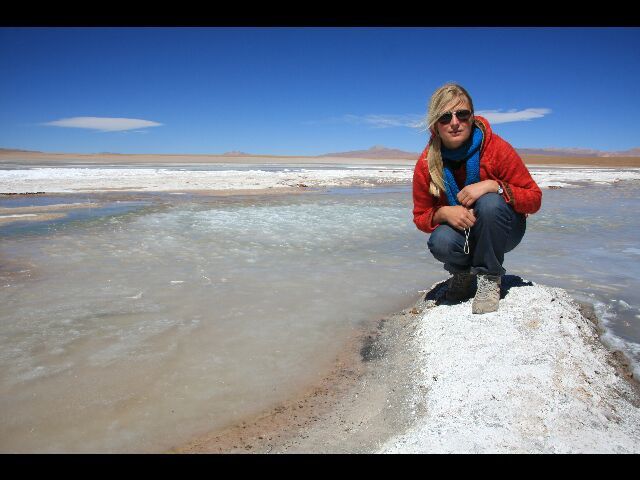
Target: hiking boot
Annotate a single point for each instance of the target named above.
(488, 294)
(460, 287)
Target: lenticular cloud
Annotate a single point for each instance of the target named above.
(104, 124)
(495, 116)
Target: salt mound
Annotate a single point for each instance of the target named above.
(530, 378)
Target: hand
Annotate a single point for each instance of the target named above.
(458, 217)
(469, 194)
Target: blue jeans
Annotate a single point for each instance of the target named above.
(498, 229)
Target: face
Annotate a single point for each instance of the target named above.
(457, 131)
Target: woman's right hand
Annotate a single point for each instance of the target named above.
(458, 216)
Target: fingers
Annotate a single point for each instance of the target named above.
(465, 224)
(460, 217)
(467, 220)
(471, 216)
(465, 198)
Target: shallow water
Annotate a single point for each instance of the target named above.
(132, 331)
(133, 327)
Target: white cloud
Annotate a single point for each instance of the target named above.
(418, 121)
(104, 124)
(496, 116)
(387, 121)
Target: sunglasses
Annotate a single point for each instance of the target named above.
(462, 115)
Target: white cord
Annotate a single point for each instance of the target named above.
(467, 231)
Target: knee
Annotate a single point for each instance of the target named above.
(442, 241)
(490, 205)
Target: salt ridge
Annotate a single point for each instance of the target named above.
(530, 378)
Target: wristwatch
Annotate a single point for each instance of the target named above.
(500, 190)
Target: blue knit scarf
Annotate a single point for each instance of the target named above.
(469, 152)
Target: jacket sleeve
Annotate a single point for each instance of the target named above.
(424, 204)
(520, 190)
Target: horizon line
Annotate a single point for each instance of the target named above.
(569, 151)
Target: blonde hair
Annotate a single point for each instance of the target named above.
(442, 97)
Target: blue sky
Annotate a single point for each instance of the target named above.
(308, 91)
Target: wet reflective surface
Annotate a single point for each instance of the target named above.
(131, 326)
(131, 329)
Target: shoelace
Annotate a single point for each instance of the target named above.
(485, 290)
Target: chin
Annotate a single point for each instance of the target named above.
(453, 144)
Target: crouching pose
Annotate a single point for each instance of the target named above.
(472, 193)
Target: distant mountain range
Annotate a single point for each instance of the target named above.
(377, 151)
(236, 153)
(11, 150)
(578, 152)
(382, 152)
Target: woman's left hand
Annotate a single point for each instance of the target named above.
(469, 194)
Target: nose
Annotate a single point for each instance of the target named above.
(455, 123)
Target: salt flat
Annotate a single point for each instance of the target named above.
(74, 179)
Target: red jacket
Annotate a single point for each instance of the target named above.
(498, 161)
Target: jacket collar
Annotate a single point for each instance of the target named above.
(483, 124)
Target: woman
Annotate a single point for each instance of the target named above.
(472, 193)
